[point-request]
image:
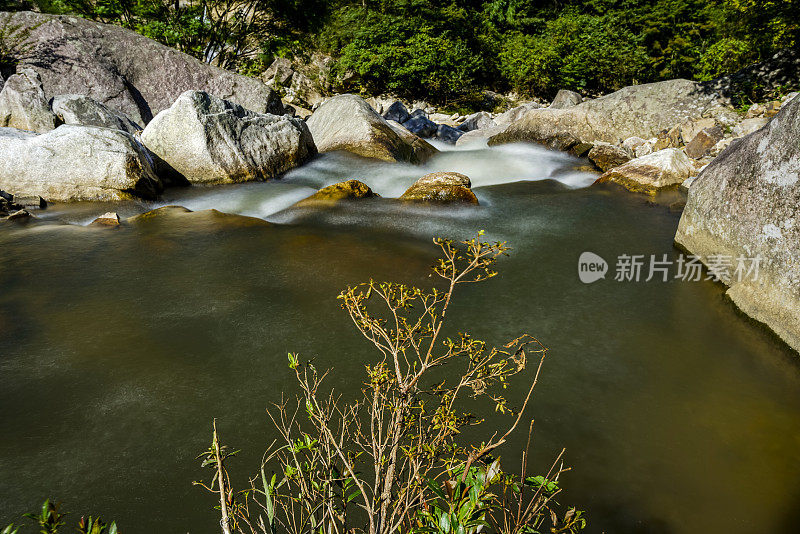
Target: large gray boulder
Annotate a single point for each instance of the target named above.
(124, 70)
(210, 140)
(82, 110)
(480, 137)
(477, 121)
(75, 163)
(640, 110)
(23, 104)
(745, 204)
(347, 122)
(515, 113)
(566, 99)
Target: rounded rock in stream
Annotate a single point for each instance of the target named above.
(441, 187)
(349, 190)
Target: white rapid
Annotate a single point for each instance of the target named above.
(484, 165)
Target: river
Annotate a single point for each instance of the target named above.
(119, 346)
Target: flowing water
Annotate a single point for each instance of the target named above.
(119, 346)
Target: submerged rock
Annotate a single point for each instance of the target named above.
(19, 214)
(76, 163)
(441, 187)
(107, 219)
(651, 173)
(178, 217)
(640, 110)
(347, 122)
(23, 104)
(210, 140)
(333, 194)
(745, 204)
(82, 110)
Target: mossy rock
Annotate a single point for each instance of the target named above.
(441, 187)
(333, 194)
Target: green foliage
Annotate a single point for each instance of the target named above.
(49, 520)
(448, 51)
(725, 56)
(394, 458)
(414, 50)
(95, 526)
(462, 504)
(585, 53)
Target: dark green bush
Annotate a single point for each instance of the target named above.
(424, 52)
(585, 53)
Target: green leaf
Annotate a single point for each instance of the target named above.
(473, 495)
(435, 488)
(268, 494)
(444, 523)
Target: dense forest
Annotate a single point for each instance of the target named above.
(448, 50)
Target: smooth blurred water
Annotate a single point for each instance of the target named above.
(679, 414)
